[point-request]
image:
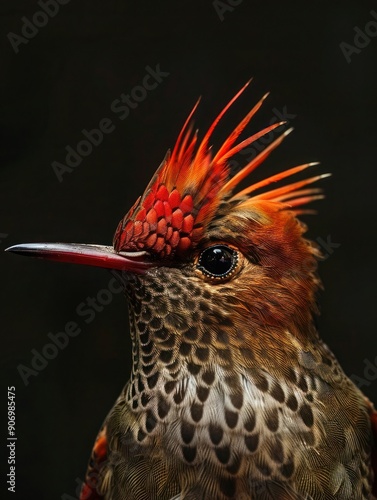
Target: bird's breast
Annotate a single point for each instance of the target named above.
(241, 430)
(243, 423)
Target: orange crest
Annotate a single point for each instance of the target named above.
(189, 185)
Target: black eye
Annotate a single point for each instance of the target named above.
(218, 261)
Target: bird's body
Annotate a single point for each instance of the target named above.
(209, 417)
(232, 395)
(209, 414)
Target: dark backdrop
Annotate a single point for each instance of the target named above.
(65, 79)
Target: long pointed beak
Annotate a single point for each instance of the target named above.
(90, 255)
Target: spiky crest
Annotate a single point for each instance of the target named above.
(187, 188)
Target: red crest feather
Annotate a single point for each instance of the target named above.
(189, 185)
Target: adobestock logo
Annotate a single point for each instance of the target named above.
(362, 38)
(30, 27)
(369, 374)
(121, 107)
(222, 7)
(58, 342)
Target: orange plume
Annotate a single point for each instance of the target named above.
(191, 182)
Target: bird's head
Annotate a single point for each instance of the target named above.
(199, 250)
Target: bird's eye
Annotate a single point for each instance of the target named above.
(217, 261)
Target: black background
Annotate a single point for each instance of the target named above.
(64, 80)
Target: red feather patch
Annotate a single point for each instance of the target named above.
(98, 457)
(191, 182)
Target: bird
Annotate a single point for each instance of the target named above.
(232, 394)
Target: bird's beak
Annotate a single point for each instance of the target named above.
(90, 255)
